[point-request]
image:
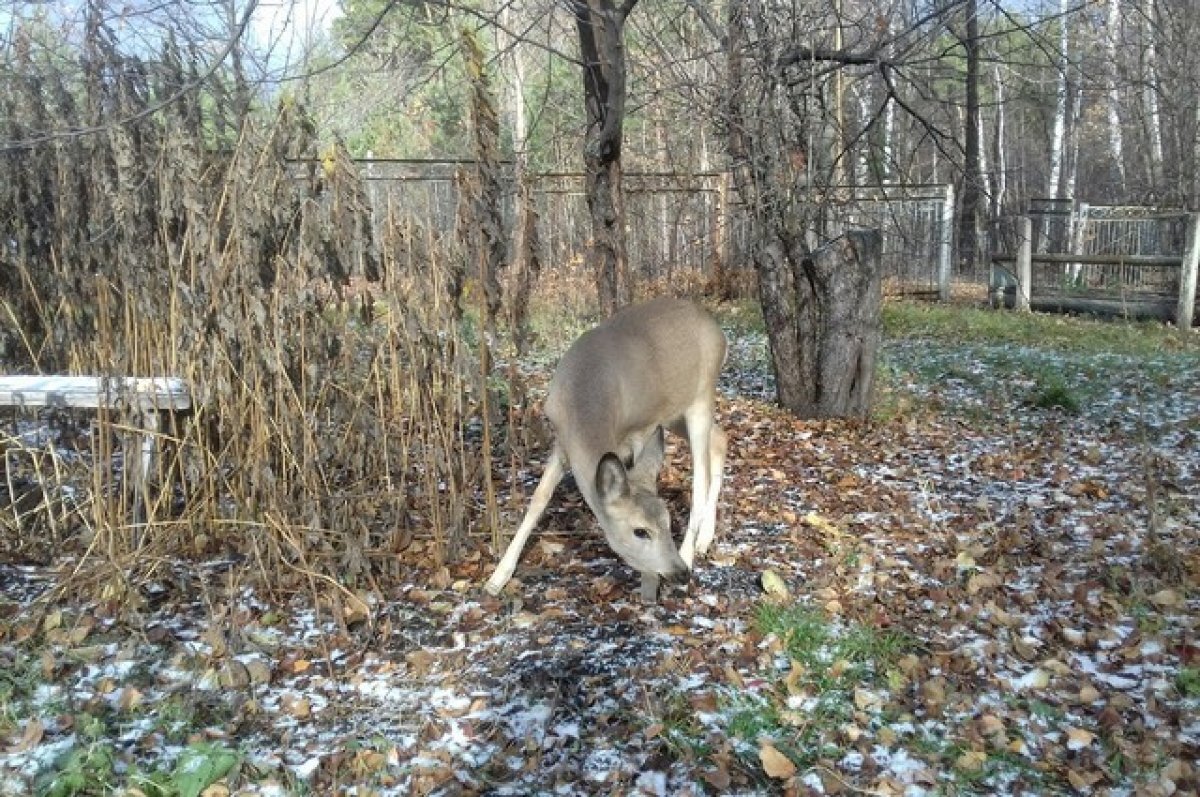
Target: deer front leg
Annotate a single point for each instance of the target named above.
(699, 433)
(541, 497)
(718, 445)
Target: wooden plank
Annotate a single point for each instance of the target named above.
(95, 392)
(1164, 261)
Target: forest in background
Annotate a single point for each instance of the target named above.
(1086, 100)
(1090, 101)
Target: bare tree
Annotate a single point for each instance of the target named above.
(972, 174)
(820, 291)
(601, 26)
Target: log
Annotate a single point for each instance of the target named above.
(1160, 307)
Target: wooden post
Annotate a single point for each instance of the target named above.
(720, 243)
(946, 248)
(1185, 310)
(1024, 263)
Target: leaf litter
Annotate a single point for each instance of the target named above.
(1037, 565)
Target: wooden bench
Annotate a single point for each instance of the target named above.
(145, 399)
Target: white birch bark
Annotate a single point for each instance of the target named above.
(1150, 93)
(516, 93)
(1058, 137)
(1071, 153)
(1116, 139)
(1000, 183)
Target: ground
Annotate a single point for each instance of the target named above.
(990, 588)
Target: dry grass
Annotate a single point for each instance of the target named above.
(354, 375)
(333, 427)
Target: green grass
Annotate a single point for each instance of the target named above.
(907, 319)
(831, 660)
(91, 768)
(1052, 392)
(947, 322)
(865, 654)
(1188, 682)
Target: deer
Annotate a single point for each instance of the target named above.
(651, 366)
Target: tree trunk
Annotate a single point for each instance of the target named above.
(821, 308)
(972, 190)
(1112, 97)
(999, 158)
(601, 46)
(1152, 85)
(822, 318)
(1058, 139)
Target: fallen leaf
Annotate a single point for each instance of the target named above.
(982, 581)
(130, 698)
(866, 700)
(775, 763)
(718, 778)
(971, 761)
(31, 738)
(1079, 738)
(1166, 599)
(822, 524)
(1034, 679)
(774, 586)
(355, 610)
(794, 682)
(1083, 781)
(991, 725)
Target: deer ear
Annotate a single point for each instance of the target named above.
(611, 479)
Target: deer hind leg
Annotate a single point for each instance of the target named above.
(541, 497)
(718, 444)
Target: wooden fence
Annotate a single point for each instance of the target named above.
(1110, 282)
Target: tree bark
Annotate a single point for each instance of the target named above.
(1112, 97)
(602, 48)
(822, 316)
(972, 190)
(1152, 85)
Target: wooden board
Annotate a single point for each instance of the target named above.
(95, 392)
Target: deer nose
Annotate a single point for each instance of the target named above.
(679, 576)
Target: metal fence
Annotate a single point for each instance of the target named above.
(917, 223)
(682, 222)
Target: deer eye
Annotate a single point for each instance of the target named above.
(642, 534)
